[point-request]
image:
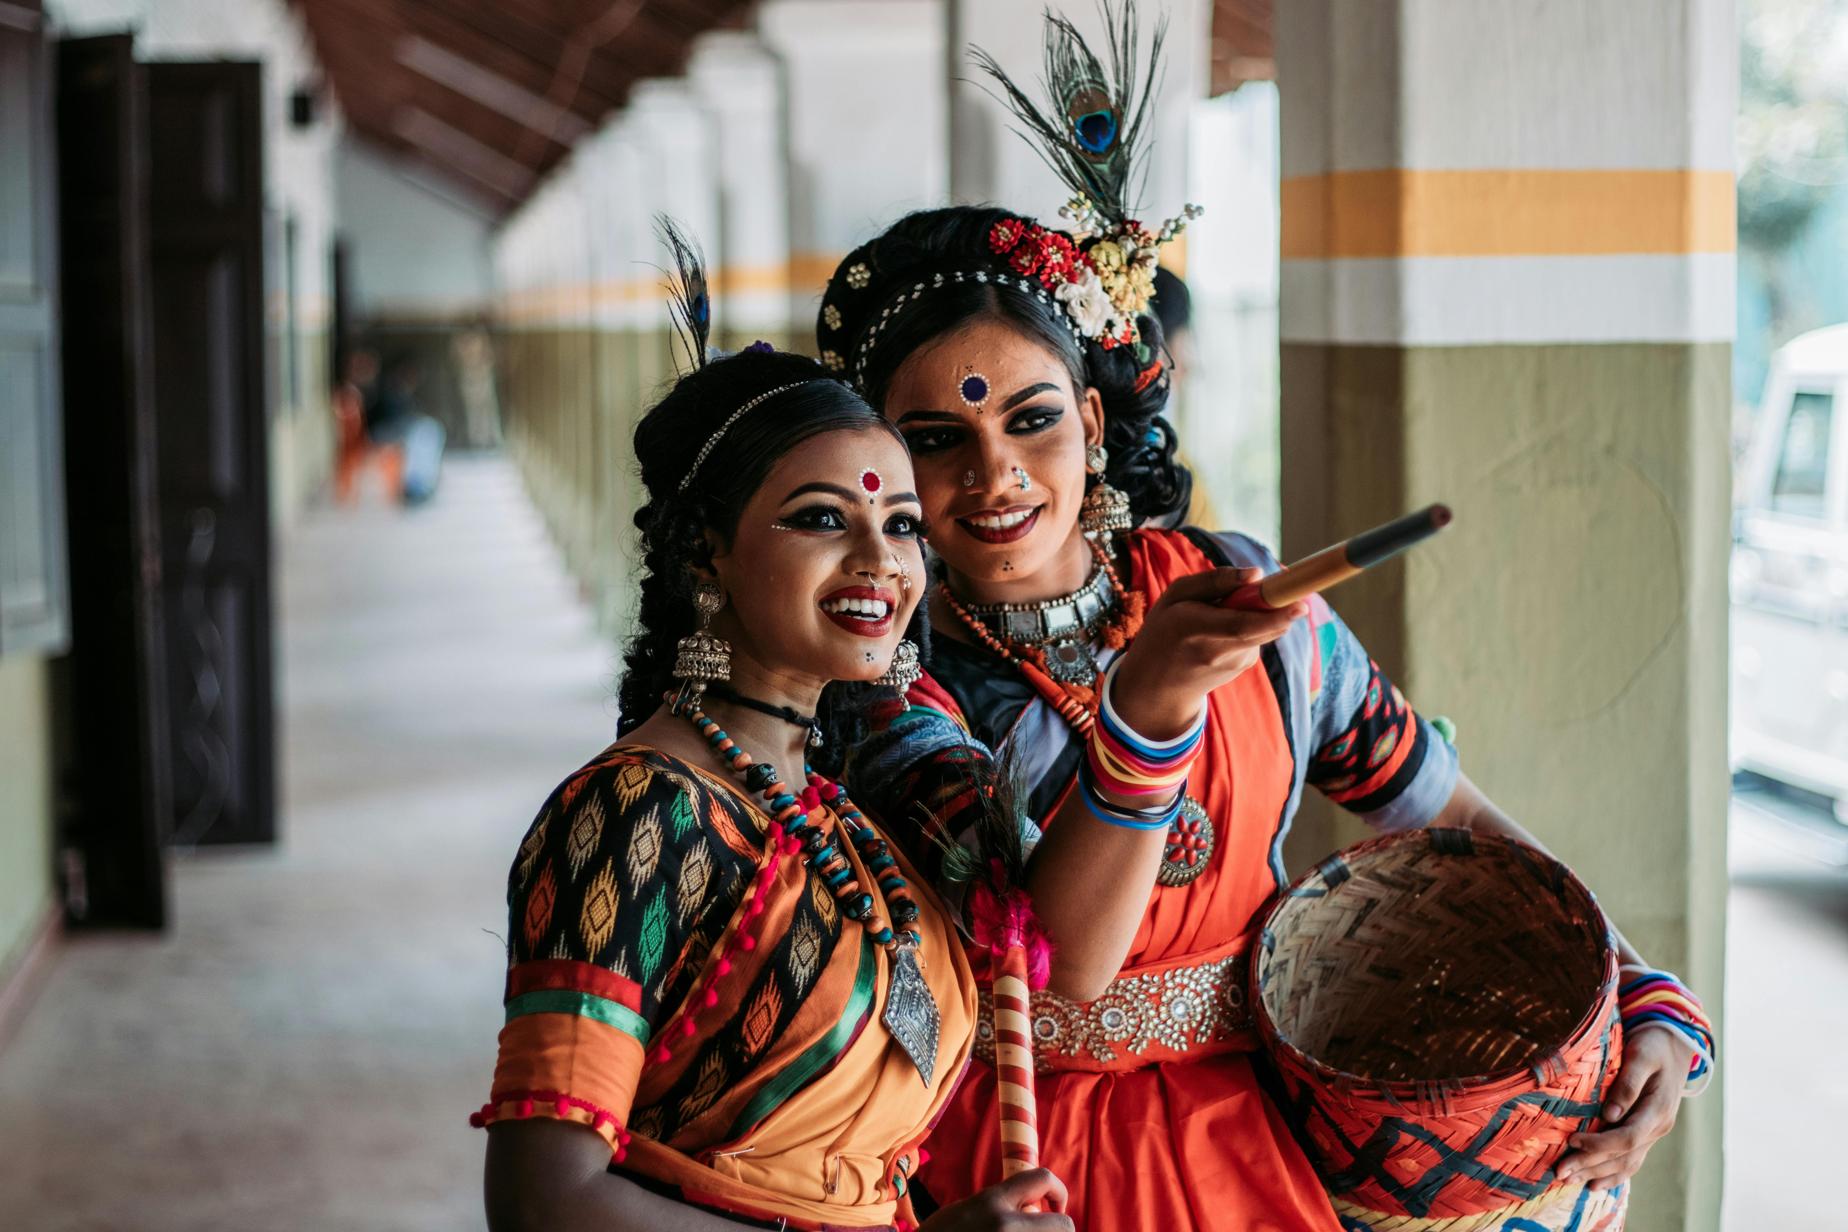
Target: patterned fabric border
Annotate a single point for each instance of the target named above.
(823, 1052)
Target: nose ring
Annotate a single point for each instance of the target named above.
(1026, 480)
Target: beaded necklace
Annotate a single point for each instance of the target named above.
(911, 1013)
(1074, 701)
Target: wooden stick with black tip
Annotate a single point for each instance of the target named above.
(1337, 564)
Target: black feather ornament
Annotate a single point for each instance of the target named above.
(1090, 129)
(689, 300)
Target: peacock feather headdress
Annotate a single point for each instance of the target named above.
(1090, 131)
(689, 298)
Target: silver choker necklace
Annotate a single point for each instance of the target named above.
(1062, 626)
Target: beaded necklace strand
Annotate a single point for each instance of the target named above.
(791, 832)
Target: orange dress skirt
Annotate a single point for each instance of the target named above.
(1150, 1109)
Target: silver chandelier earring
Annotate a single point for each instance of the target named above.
(905, 669)
(1105, 512)
(700, 657)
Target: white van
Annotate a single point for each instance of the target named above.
(1790, 575)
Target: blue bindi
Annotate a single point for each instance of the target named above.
(974, 389)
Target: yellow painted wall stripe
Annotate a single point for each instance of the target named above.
(566, 300)
(1398, 212)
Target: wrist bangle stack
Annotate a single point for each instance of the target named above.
(1658, 1000)
(1123, 763)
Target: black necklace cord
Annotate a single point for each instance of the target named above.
(787, 714)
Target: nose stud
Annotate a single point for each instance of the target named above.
(1026, 480)
(968, 479)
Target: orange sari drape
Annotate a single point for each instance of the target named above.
(1149, 1109)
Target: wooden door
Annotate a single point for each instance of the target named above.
(118, 797)
(205, 239)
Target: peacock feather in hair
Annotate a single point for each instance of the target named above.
(1090, 130)
(689, 298)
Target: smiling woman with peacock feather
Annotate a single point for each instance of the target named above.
(1166, 741)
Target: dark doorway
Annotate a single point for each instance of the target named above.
(116, 792)
(205, 242)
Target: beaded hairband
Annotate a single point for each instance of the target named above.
(733, 418)
(864, 348)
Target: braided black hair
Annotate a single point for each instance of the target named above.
(886, 302)
(673, 523)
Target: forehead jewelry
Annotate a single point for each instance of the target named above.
(973, 388)
(1026, 480)
(871, 482)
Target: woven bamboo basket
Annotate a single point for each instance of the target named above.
(1440, 1009)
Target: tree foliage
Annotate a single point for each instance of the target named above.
(1793, 116)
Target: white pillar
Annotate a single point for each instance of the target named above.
(739, 82)
(866, 124)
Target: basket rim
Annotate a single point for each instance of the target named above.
(1449, 1094)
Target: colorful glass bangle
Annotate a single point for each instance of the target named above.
(1125, 764)
(1658, 1000)
(1153, 750)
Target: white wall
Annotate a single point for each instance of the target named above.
(416, 249)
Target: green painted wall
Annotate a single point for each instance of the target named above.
(25, 802)
(1572, 621)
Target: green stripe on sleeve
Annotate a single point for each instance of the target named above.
(584, 1005)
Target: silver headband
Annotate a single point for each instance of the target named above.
(733, 418)
(863, 349)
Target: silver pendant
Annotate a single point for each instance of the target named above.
(1070, 661)
(911, 1013)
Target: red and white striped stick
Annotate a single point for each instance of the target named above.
(1014, 1065)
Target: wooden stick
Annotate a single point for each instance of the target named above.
(1334, 565)
(1019, 1113)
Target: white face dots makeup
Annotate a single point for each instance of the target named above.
(973, 388)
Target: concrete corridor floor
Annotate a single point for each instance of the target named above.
(302, 1050)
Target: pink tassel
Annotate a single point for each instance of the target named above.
(1000, 923)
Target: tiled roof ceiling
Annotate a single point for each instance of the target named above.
(492, 93)
(1242, 48)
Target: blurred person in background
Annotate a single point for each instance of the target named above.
(473, 353)
(393, 417)
(729, 1005)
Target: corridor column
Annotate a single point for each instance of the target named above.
(865, 101)
(1507, 283)
(739, 83)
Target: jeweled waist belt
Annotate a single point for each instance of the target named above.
(1188, 1007)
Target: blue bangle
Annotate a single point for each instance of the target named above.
(1128, 819)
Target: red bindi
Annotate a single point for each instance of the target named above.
(869, 479)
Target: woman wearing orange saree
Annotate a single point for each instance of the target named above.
(729, 1004)
(1022, 367)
